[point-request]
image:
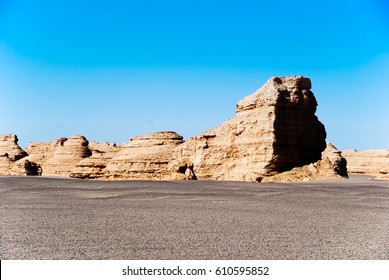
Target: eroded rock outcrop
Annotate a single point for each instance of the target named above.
(58, 157)
(332, 165)
(93, 167)
(9, 147)
(67, 152)
(40, 152)
(369, 162)
(274, 130)
(144, 157)
(25, 167)
(9, 153)
(5, 164)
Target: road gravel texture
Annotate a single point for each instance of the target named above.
(52, 218)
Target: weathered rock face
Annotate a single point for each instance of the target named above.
(25, 167)
(144, 157)
(9, 153)
(370, 162)
(93, 167)
(60, 156)
(40, 152)
(67, 152)
(5, 164)
(332, 165)
(274, 130)
(338, 162)
(9, 147)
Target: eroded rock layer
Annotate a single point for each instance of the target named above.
(9, 147)
(9, 153)
(93, 167)
(332, 165)
(274, 130)
(369, 162)
(144, 157)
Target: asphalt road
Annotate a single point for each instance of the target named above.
(48, 218)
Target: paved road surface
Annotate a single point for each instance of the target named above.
(48, 218)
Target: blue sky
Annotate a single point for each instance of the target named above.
(111, 70)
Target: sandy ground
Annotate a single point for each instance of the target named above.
(48, 218)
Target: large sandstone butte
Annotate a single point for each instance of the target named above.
(369, 162)
(275, 130)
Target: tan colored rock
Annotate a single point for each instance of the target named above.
(338, 162)
(5, 164)
(24, 167)
(9, 147)
(93, 167)
(369, 162)
(144, 157)
(332, 165)
(9, 153)
(40, 152)
(274, 130)
(65, 153)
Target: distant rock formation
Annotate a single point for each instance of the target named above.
(9, 153)
(60, 156)
(6, 164)
(144, 157)
(332, 165)
(275, 131)
(93, 167)
(9, 147)
(369, 162)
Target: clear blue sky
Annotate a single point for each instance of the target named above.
(111, 70)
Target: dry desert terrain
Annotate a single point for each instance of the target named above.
(52, 218)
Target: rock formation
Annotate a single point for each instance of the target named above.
(58, 157)
(9, 153)
(40, 152)
(25, 167)
(274, 130)
(9, 147)
(369, 162)
(93, 167)
(144, 157)
(332, 165)
(66, 153)
(5, 164)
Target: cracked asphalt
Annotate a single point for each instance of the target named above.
(53, 218)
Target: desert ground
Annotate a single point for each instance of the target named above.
(52, 218)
